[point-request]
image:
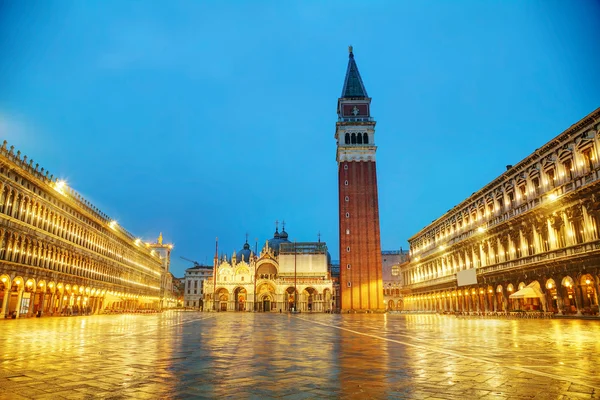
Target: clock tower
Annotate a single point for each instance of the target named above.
(361, 286)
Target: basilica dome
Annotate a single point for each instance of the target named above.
(244, 254)
(278, 238)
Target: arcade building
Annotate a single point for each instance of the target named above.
(529, 239)
(59, 254)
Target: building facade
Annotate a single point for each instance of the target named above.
(194, 278)
(285, 276)
(168, 298)
(178, 290)
(392, 262)
(60, 254)
(535, 225)
(360, 246)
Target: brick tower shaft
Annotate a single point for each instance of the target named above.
(360, 245)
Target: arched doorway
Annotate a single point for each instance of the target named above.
(309, 296)
(589, 295)
(266, 303)
(290, 300)
(222, 298)
(391, 305)
(240, 297)
(569, 301)
(551, 296)
(266, 297)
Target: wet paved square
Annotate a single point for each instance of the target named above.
(188, 355)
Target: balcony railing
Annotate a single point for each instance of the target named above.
(520, 263)
(461, 234)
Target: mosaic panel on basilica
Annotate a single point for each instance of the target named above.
(285, 276)
(529, 239)
(61, 255)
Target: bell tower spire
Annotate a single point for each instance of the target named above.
(360, 245)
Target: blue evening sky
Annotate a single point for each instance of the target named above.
(200, 119)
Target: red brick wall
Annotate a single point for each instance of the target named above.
(364, 257)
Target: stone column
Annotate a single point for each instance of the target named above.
(31, 303)
(42, 301)
(559, 298)
(5, 299)
(18, 306)
(60, 302)
(486, 304)
(577, 297)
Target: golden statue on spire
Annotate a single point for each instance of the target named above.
(350, 49)
(160, 238)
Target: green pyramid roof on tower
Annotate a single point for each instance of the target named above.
(353, 84)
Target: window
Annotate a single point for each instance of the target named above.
(347, 266)
(353, 138)
(588, 158)
(195, 291)
(345, 166)
(349, 284)
(242, 279)
(523, 191)
(568, 169)
(511, 198)
(347, 231)
(551, 177)
(359, 139)
(347, 215)
(347, 198)
(365, 138)
(536, 185)
(346, 183)
(347, 138)
(348, 249)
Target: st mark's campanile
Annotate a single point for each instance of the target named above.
(360, 247)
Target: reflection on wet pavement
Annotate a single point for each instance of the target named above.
(247, 355)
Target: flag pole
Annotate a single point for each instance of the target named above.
(215, 274)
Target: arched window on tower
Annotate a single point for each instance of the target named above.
(353, 138)
(347, 139)
(359, 139)
(365, 138)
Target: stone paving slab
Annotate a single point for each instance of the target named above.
(177, 355)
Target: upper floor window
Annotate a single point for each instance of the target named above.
(347, 138)
(523, 191)
(588, 158)
(511, 198)
(551, 177)
(568, 164)
(365, 138)
(536, 185)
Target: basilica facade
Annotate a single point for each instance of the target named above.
(284, 276)
(59, 254)
(526, 241)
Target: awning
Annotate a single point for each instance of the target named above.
(528, 292)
